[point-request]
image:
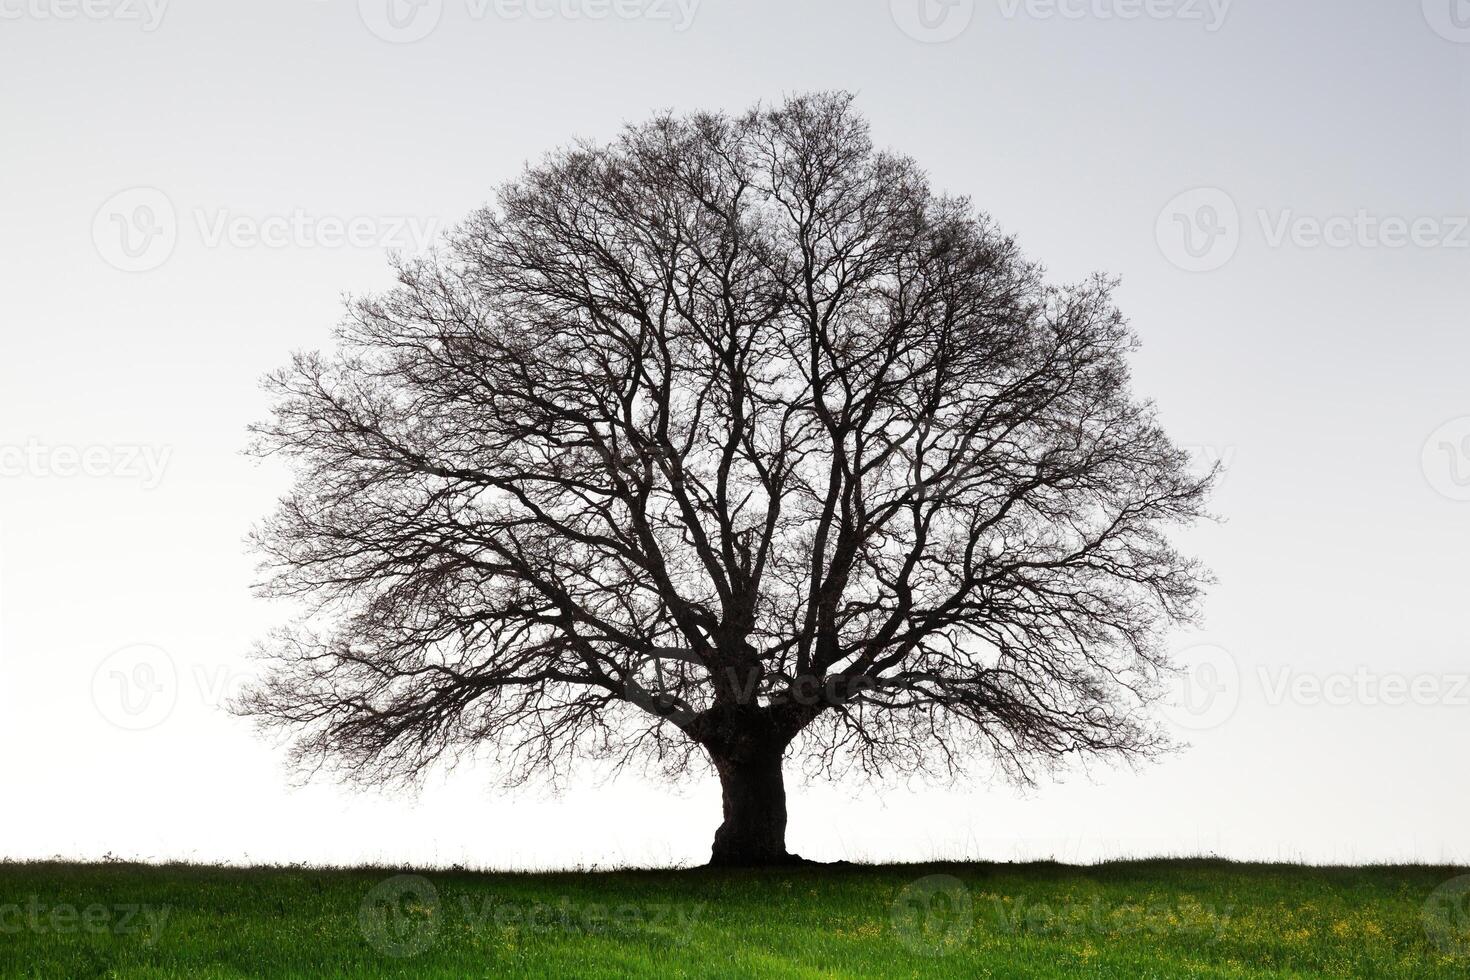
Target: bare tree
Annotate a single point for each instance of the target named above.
(726, 442)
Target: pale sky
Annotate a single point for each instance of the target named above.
(188, 187)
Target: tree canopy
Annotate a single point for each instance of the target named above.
(727, 441)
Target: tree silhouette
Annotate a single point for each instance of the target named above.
(727, 442)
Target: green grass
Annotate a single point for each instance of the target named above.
(1127, 920)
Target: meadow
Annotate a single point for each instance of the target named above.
(1193, 918)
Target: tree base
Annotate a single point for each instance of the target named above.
(782, 860)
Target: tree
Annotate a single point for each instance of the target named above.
(726, 442)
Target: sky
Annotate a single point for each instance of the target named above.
(188, 188)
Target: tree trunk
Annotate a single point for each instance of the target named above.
(754, 831)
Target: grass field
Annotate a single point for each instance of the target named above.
(1137, 919)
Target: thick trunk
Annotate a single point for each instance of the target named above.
(754, 831)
